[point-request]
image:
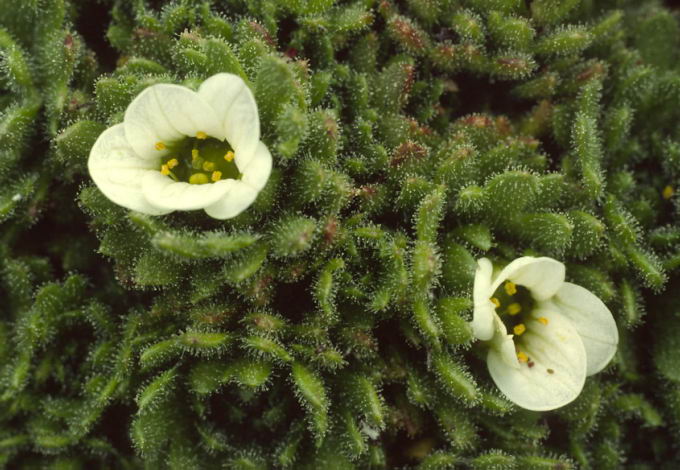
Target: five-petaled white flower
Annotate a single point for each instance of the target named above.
(183, 150)
(561, 332)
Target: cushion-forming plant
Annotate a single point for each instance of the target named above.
(326, 318)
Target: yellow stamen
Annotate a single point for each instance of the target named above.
(172, 163)
(216, 176)
(198, 178)
(510, 288)
(165, 170)
(201, 135)
(514, 308)
(668, 192)
(495, 301)
(522, 357)
(229, 156)
(519, 329)
(160, 146)
(194, 154)
(542, 320)
(208, 166)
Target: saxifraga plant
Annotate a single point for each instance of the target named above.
(327, 325)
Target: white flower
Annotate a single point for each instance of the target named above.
(561, 332)
(183, 150)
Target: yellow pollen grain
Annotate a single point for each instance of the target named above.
(216, 176)
(208, 166)
(172, 163)
(201, 135)
(668, 192)
(495, 301)
(522, 357)
(510, 288)
(519, 329)
(194, 154)
(165, 170)
(229, 156)
(198, 178)
(160, 146)
(542, 320)
(514, 308)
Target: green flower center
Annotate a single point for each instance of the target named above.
(514, 305)
(199, 160)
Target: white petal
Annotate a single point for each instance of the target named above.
(555, 347)
(542, 276)
(168, 113)
(484, 309)
(482, 287)
(258, 170)
(504, 344)
(239, 197)
(236, 109)
(593, 321)
(162, 191)
(482, 320)
(118, 171)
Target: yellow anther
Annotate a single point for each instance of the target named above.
(216, 175)
(194, 154)
(172, 163)
(160, 146)
(201, 135)
(495, 301)
(208, 166)
(668, 192)
(198, 178)
(165, 170)
(519, 329)
(522, 357)
(510, 288)
(514, 308)
(229, 156)
(542, 320)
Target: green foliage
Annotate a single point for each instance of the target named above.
(328, 325)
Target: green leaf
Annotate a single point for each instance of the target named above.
(157, 390)
(208, 245)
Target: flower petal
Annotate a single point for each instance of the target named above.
(558, 360)
(236, 108)
(239, 197)
(542, 276)
(118, 171)
(258, 170)
(593, 321)
(167, 113)
(162, 191)
(484, 309)
(504, 344)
